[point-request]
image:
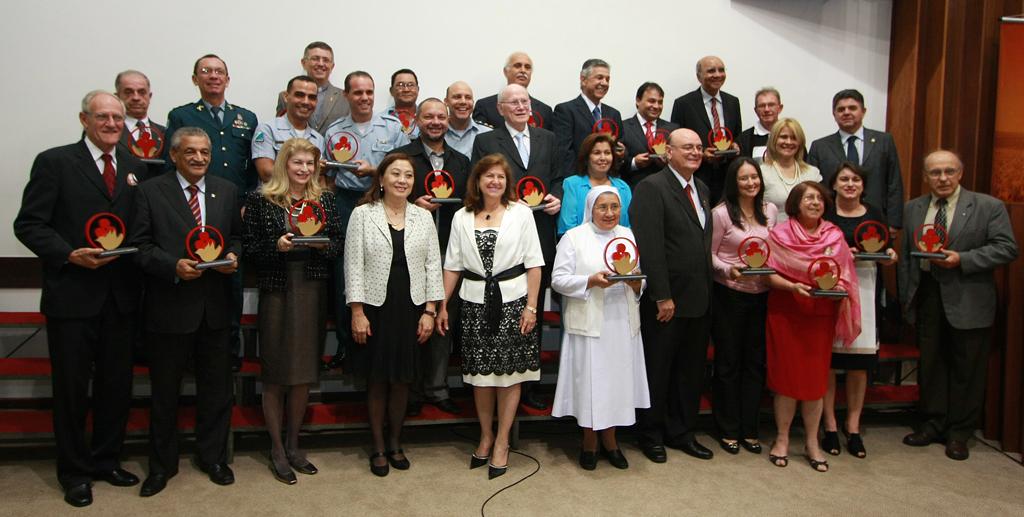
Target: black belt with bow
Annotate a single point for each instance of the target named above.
(492, 295)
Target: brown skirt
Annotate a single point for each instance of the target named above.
(291, 329)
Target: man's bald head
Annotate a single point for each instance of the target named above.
(514, 106)
(943, 171)
(684, 151)
(711, 73)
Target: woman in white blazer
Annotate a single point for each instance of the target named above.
(392, 284)
(495, 249)
(602, 377)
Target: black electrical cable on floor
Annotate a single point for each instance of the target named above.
(536, 469)
(23, 343)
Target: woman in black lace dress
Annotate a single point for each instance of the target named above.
(495, 249)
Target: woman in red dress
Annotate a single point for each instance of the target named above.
(801, 328)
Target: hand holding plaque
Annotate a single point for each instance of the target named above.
(824, 273)
(930, 240)
(622, 257)
(342, 147)
(147, 144)
(532, 191)
(441, 185)
(107, 231)
(205, 244)
(307, 218)
(871, 238)
(754, 252)
(721, 141)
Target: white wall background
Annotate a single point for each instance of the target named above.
(55, 51)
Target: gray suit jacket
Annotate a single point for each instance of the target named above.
(982, 235)
(335, 107)
(884, 188)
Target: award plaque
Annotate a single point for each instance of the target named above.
(341, 148)
(824, 274)
(535, 120)
(658, 143)
(205, 244)
(408, 120)
(106, 230)
(871, 238)
(930, 240)
(147, 145)
(621, 256)
(531, 190)
(721, 142)
(606, 126)
(307, 218)
(754, 252)
(441, 184)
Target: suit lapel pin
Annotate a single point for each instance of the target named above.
(132, 180)
(213, 195)
(872, 140)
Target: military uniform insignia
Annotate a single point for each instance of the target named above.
(259, 137)
(239, 122)
(199, 107)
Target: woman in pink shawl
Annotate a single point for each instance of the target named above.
(800, 329)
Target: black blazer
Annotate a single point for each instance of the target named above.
(265, 223)
(152, 169)
(688, 111)
(486, 111)
(748, 141)
(65, 189)
(884, 188)
(543, 165)
(573, 122)
(161, 223)
(675, 252)
(457, 164)
(634, 137)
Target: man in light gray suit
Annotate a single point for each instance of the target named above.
(318, 62)
(952, 301)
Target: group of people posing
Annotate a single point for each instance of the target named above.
(441, 230)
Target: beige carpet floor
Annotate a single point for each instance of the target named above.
(894, 480)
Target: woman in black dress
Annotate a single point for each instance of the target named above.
(293, 291)
(392, 285)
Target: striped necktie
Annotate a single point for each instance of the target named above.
(193, 204)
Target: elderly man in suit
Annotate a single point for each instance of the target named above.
(188, 310)
(576, 119)
(518, 69)
(708, 109)
(874, 151)
(530, 151)
(671, 218)
(90, 302)
(132, 87)
(318, 62)
(640, 134)
(952, 300)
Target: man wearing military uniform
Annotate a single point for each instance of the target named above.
(230, 129)
(300, 103)
(375, 136)
(462, 129)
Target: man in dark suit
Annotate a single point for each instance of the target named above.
(642, 132)
(952, 301)
(530, 151)
(574, 120)
(132, 87)
(90, 303)
(331, 104)
(188, 311)
(754, 140)
(430, 152)
(874, 151)
(671, 218)
(518, 70)
(704, 110)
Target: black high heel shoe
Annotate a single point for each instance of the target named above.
(495, 471)
(476, 462)
(300, 464)
(855, 444)
(378, 470)
(285, 476)
(830, 443)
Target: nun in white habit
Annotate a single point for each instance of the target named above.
(601, 377)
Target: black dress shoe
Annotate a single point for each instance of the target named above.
(153, 485)
(531, 400)
(400, 464)
(79, 495)
(448, 406)
(285, 476)
(693, 448)
(918, 439)
(588, 460)
(219, 473)
(754, 447)
(413, 408)
(654, 452)
(302, 465)
(957, 450)
(616, 458)
(730, 447)
(117, 477)
(378, 470)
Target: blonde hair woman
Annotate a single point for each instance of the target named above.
(784, 166)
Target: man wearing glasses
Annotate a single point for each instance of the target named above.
(754, 140)
(952, 300)
(405, 90)
(318, 62)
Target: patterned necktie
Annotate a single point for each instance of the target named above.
(851, 150)
(142, 129)
(940, 213)
(650, 133)
(716, 122)
(215, 111)
(193, 204)
(524, 153)
(597, 113)
(109, 176)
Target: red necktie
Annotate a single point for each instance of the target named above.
(650, 133)
(686, 190)
(109, 176)
(714, 115)
(193, 204)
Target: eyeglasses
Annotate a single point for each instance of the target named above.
(320, 59)
(107, 117)
(406, 86)
(518, 103)
(766, 105)
(689, 148)
(213, 71)
(937, 173)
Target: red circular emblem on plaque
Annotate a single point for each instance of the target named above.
(343, 146)
(105, 230)
(204, 243)
(531, 190)
(439, 183)
(658, 143)
(721, 139)
(535, 120)
(306, 217)
(871, 236)
(606, 126)
(146, 144)
(621, 255)
(824, 273)
(931, 238)
(754, 251)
